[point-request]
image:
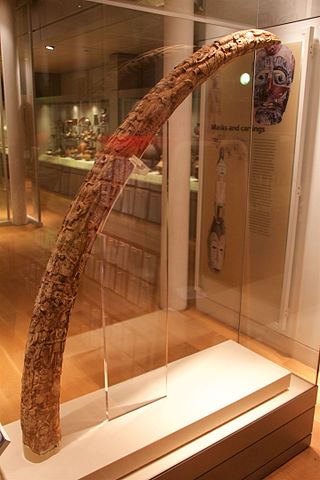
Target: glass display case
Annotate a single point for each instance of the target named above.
(197, 310)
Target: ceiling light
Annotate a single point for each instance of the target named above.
(245, 78)
(49, 47)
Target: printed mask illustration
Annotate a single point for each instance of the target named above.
(216, 247)
(274, 72)
(217, 232)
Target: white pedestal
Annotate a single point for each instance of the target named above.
(205, 390)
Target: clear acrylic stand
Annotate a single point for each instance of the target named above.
(127, 268)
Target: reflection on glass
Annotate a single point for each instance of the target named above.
(279, 13)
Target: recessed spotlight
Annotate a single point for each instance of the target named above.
(49, 47)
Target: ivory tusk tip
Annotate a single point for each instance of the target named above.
(262, 34)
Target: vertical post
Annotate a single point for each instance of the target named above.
(302, 118)
(13, 112)
(179, 33)
(30, 118)
(4, 157)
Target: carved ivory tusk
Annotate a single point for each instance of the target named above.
(40, 399)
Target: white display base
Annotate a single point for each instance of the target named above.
(249, 447)
(205, 390)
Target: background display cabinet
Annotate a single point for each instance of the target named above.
(71, 136)
(76, 132)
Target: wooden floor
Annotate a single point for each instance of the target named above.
(23, 255)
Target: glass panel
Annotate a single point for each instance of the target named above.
(272, 13)
(254, 229)
(4, 177)
(273, 320)
(81, 99)
(131, 256)
(127, 266)
(226, 135)
(219, 11)
(134, 320)
(84, 88)
(271, 173)
(239, 12)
